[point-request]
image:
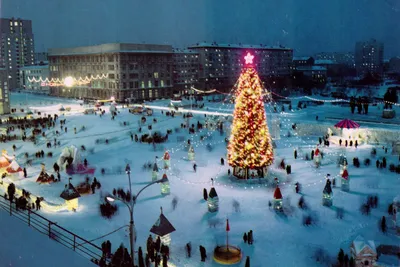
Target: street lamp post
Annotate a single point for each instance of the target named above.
(131, 205)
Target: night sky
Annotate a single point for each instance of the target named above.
(308, 26)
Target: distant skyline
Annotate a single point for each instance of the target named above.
(308, 27)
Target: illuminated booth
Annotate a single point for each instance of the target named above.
(165, 188)
(154, 173)
(70, 195)
(327, 194)
(345, 181)
(163, 228)
(212, 200)
(277, 204)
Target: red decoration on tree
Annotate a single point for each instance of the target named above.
(316, 153)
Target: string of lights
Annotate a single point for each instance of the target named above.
(331, 100)
(67, 80)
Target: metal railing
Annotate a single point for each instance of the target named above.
(53, 230)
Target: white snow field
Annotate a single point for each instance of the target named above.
(279, 240)
(22, 246)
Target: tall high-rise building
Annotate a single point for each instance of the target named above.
(221, 64)
(369, 57)
(4, 96)
(17, 47)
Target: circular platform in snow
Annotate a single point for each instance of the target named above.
(227, 255)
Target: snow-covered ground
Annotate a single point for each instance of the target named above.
(19, 247)
(279, 240)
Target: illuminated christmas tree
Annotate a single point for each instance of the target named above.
(250, 149)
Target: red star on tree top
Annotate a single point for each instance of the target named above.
(249, 58)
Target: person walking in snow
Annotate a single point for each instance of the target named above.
(188, 249)
(245, 237)
(203, 254)
(250, 237)
(37, 201)
(93, 186)
(194, 167)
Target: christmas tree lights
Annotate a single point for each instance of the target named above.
(250, 149)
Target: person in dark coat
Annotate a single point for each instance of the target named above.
(222, 161)
(164, 261)
(93, 186)
(340, 142)
(245, 237)
(158, 244)
(250, 237)
(108, 248)
(167, 251)
(104, 249)
(37, 202)
(188, 249)
(149, 243)
(345, 143)
(147, 260)
(157, 260)
(194, 167)
(203, 254)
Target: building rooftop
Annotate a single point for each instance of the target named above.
(238, 46)
(111, 48)
(323, 62)
(301, 58)
(162, 226)
(360, 243)
(35, 67)
(184, 51)
(316, 68)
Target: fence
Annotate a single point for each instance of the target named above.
(53, 231)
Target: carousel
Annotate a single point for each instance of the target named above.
(349, 134)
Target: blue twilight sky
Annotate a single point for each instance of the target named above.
(308, 26)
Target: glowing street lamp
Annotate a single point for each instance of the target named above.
(69, 81)
(131, 205)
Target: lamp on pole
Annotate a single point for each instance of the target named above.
(131, 205)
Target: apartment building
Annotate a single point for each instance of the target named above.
(185, 71)
(220, 64)
(17, 47)
(369, 57)
(30, 75)
(4, 93)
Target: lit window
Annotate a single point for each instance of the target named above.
(149, 84)
(155, 75)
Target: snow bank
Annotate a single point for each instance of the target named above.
(19, 247)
